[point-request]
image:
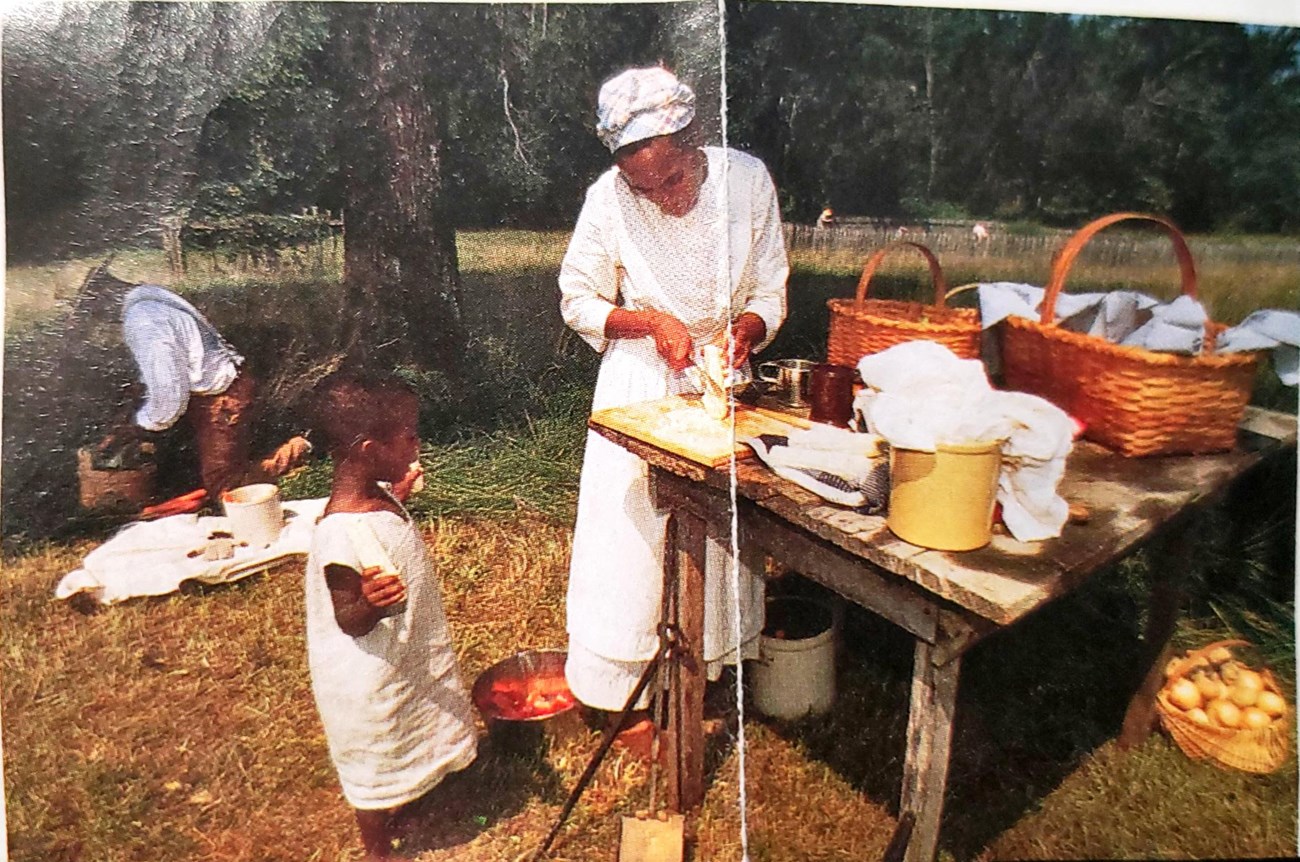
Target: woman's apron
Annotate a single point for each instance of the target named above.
(616, 573)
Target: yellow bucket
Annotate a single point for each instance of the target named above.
(944, 499)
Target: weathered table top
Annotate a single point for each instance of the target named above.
(1129, 499)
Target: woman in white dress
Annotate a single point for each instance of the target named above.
(677, 246)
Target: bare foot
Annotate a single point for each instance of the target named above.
(638, 738)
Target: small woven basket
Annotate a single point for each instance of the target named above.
(1262, 749)
(862, 326)
(1135, 401)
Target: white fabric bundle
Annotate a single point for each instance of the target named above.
(1138, 320)
(919, 395)
(152, 558)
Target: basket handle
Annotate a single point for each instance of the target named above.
(1065, 258)
(869, 269)
(1186, 664)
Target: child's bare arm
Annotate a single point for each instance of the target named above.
(358, 601)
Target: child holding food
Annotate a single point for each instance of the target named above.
(396, 715)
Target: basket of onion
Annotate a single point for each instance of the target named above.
(1217, 707)
(525, 698)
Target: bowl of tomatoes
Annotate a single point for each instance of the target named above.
(525, 697)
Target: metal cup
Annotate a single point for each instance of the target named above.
(831, 394)
(790, 379)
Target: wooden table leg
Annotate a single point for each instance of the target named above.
(929, 741)
(1166, 597)
(685, 736)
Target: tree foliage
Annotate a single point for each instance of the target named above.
(117, 113)
(904, 111)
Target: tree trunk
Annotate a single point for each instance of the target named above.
(931, 119)
(403, 284)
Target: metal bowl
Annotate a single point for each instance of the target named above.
(523, 734)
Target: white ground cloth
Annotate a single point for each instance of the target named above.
(723, 258)
(149, 558)
(397, 717)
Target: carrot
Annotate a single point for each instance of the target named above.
(181, 505)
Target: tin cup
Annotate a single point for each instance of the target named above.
(790, 379)
(830, 392)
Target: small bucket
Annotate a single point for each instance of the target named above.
(944, 499)
(795, 674)
(113, 489)
(254, 513)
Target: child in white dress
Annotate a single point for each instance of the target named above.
(397, 717)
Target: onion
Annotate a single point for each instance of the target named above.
(1184, 695)
(1245, 690)
(1198, 715)
(1271, 703)
(1210, 688)
(1255, 718)
(1224, 712)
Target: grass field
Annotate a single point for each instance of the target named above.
(183, 727)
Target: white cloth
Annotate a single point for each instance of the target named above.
(151, 558)
(723, 258)
(397, 717)
(1262, 330)
(177, 352)
(1138, 320)
(919, 395)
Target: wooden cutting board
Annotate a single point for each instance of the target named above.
(678, 424)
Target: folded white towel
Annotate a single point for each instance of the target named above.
(1138, 320)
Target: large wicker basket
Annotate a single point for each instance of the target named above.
(862, 326)
(1262, 749)
(1136, 401)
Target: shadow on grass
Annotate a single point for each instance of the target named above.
(1033, 703)
(496, 786)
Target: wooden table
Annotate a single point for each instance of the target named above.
(947, 601)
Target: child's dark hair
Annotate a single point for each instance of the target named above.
(351, 405)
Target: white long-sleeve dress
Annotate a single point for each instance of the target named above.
(723, 258)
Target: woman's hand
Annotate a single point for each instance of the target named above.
(739, 339)
(671, 338)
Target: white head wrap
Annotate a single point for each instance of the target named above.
(642, 103)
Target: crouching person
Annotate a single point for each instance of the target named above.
(396, 716)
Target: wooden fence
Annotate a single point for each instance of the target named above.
(1113, 247)
(253, 241)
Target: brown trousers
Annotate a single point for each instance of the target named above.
(222, 433)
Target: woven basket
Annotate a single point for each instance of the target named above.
(1250, 750)
(1135, 401)
(113, 489)
(862, 326)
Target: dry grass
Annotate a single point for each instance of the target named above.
(183, 728)
(1233, 277)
